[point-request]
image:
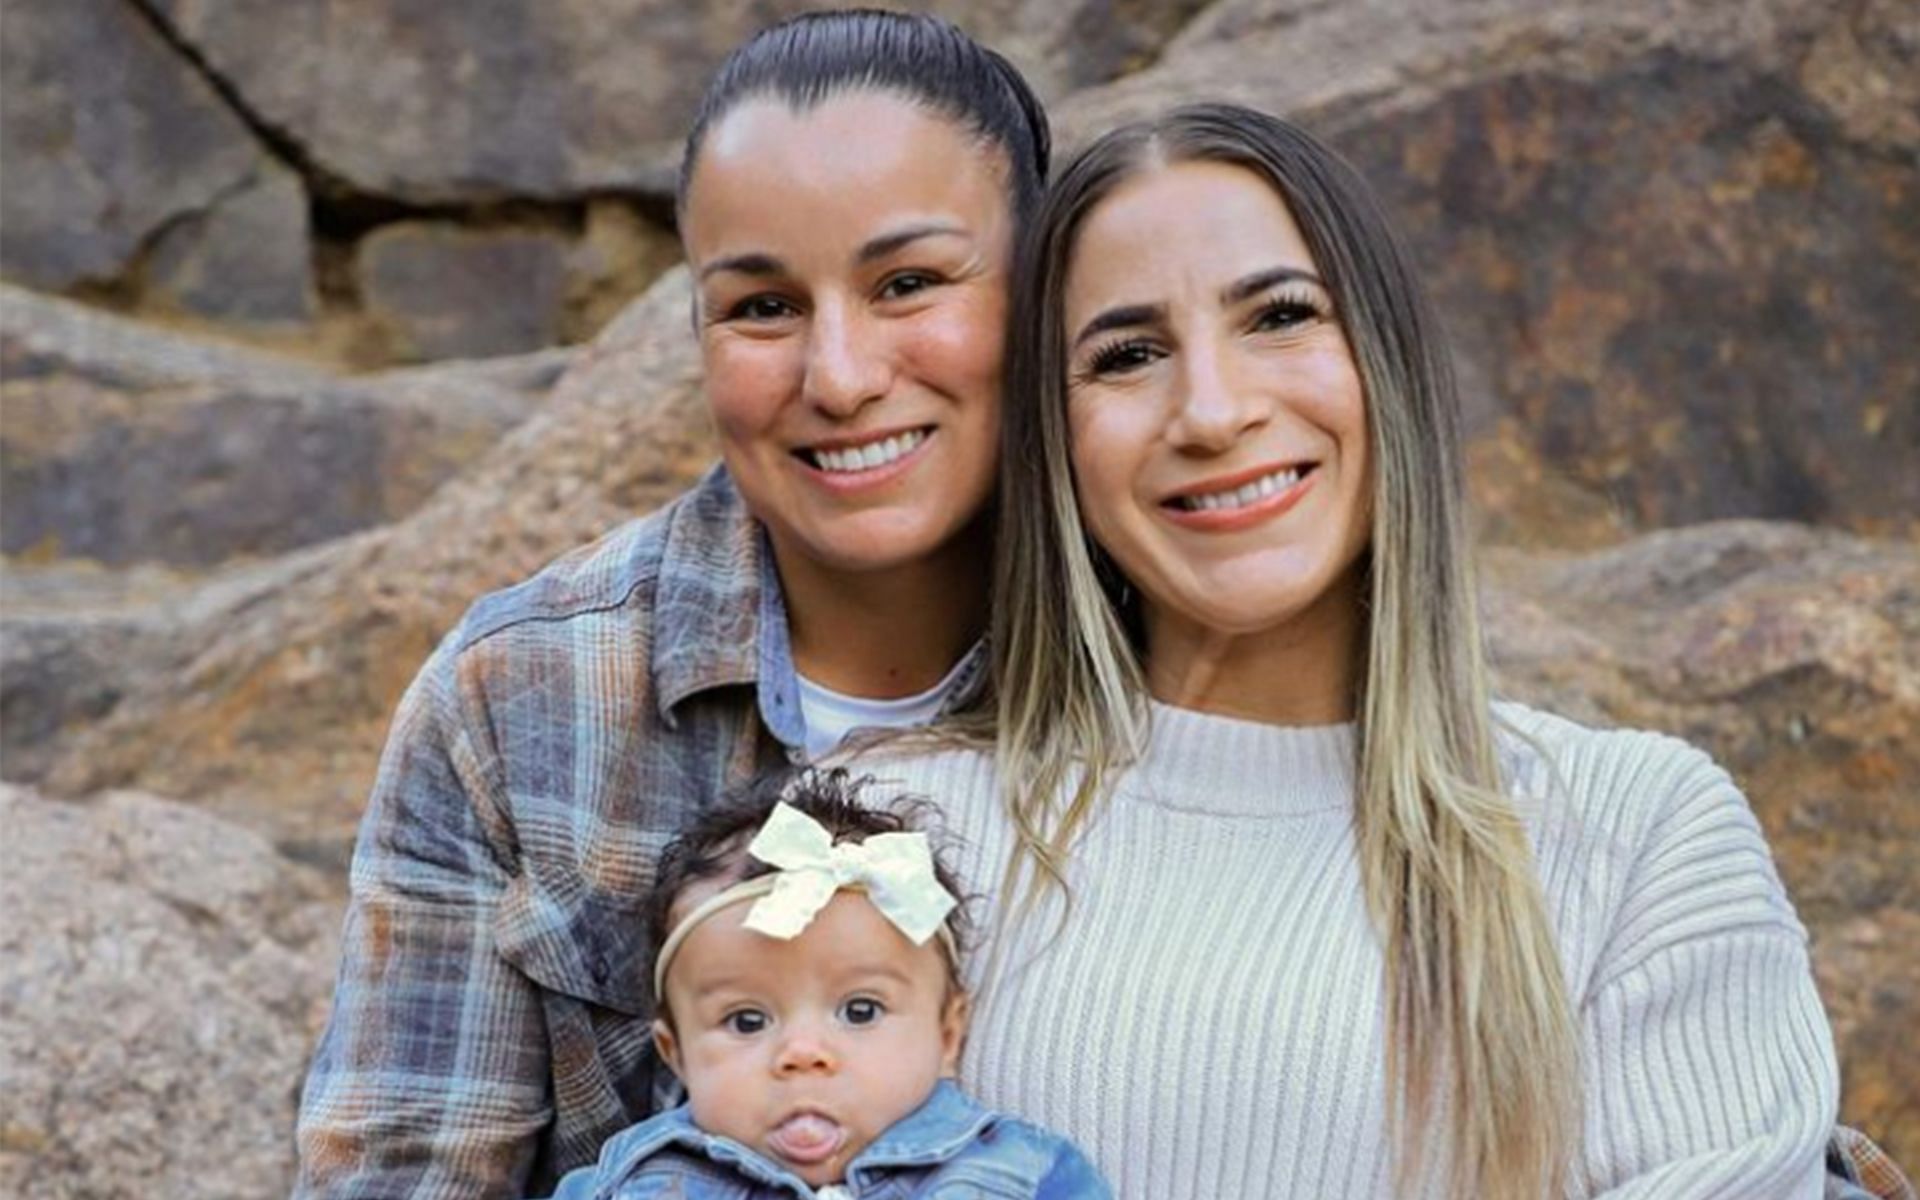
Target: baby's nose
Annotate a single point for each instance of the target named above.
(806, 1049)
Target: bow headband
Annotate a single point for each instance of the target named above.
(895, 870)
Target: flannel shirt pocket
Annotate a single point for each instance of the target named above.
(588, 947)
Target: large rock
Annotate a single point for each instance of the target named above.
(267, 699)
(165, 974)
(1062, 47)
(246, 260)
(445, 291)
(1675, 244)
(558, 98)
(121, 444)
(113, 142)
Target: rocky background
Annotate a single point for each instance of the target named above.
(322, 318)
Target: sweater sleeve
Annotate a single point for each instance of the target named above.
(1710, 1062)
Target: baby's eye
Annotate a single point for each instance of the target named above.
(1118, 358)
(907, 283)
(745, 1021)
(862, 1010)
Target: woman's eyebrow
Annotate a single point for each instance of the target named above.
(763, 265)
(1123, 316)
(887, 243)
(751, 263)
(1248, 286)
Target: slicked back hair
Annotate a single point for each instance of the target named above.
(809, 59)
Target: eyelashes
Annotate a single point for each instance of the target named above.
(1122, 354)
(1289, 308)
(1284, 310)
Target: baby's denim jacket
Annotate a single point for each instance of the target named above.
(950, 1148)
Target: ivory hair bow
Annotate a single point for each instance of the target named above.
(895, 870)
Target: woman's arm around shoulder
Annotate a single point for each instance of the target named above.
(1709, 1059)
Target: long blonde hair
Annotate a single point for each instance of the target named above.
(1479, 1028)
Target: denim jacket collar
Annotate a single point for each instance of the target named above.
(944, 1125)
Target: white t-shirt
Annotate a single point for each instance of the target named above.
(831, 716)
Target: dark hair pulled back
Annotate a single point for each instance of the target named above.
(812, 58)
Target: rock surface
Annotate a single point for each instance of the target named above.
(266, 698)
(166, 974)
(559, 98)
(110, 451)
(106, 159)
(247, 259)
(443, 291)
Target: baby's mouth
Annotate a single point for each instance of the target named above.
(807, 1138)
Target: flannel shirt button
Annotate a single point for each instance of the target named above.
(597, 967)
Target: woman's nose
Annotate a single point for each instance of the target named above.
(847, 364)
(1215, 405)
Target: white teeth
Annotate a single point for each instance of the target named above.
(873, 454)
(1245, 494)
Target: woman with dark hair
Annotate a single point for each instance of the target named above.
(1289, 905)
(848, 204)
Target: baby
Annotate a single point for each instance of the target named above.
(809, 993)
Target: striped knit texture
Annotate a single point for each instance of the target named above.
(1208, 1020)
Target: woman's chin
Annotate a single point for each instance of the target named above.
(1228, 614)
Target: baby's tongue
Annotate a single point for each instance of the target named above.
(807, 1138)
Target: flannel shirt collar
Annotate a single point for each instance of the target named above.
(708, 609)
(721, 619)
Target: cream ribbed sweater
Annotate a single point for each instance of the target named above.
(1210, 1023)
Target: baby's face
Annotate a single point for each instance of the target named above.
(807, 1049)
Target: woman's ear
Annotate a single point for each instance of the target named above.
(953, 1031)
(667, 1045)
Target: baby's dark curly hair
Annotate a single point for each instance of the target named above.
(713, 845)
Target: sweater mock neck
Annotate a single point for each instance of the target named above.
(1207, 763)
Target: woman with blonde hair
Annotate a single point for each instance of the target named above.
(1289, 905)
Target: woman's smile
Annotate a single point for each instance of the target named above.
(851, 465)
(1242, 500)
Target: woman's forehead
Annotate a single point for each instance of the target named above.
(1193, 224)
(842, 171)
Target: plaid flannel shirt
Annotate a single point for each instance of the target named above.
(491, 1023)
(1858, 1169)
